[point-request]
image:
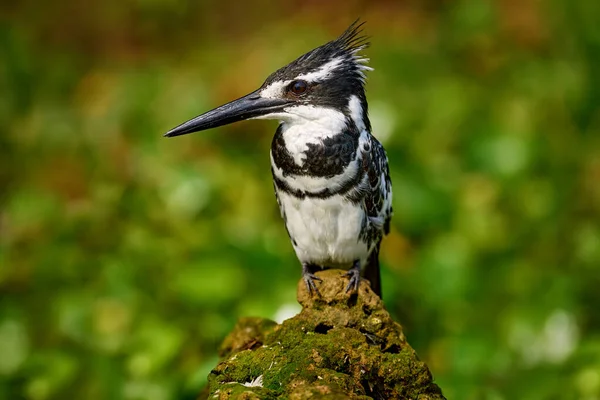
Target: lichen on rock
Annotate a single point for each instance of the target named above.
(340, 346)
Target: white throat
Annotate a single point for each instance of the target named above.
(304, 124)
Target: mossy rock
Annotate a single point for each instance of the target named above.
(340, 346)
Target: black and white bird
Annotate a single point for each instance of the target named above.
(330, 174)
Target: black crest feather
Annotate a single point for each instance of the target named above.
(352, 40)
(346, 46)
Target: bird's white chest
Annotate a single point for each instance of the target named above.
(324, 231)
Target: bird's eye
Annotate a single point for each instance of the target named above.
(298, 87)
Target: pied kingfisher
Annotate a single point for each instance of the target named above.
(330, 174)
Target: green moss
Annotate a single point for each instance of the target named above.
(240, 392)
(339, 346)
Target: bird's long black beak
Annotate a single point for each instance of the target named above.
(249, 106)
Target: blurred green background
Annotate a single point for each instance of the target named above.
(125, 257)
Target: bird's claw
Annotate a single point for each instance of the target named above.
(309, 279)
(354, 274)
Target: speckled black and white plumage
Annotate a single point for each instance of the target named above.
(330, 174)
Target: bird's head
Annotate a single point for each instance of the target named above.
(329, 79)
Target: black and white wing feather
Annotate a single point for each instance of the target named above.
(377, 203)
(377, 200)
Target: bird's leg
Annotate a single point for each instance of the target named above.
(354, 274)
(310, 278)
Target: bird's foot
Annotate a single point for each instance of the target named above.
(309, 279)
(354, 274)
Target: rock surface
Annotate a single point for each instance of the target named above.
(340, 346)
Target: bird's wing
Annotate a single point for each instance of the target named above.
(377, 202)
(378, 199)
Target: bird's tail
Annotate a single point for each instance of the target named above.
(372, 271)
